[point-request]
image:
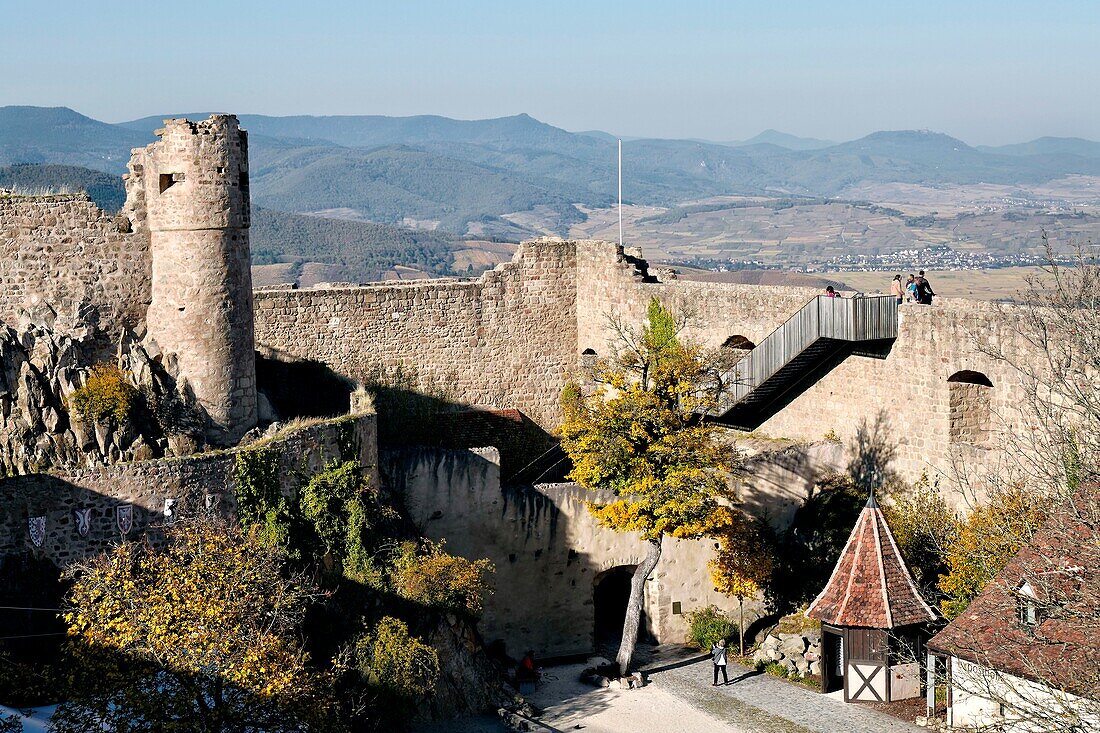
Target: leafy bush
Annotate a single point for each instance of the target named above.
(261, 506)
(924, 527)
(106, 396)
(433, 578)
(987, 539)
(345, 515)
(708, 626)
(390, 659)
(777, 669)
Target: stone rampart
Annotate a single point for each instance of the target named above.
(64, 252)
(506, 340)
(906, 391)
(147, 485)
(511, 338)
(549, 552)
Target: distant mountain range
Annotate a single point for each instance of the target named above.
(462, 176)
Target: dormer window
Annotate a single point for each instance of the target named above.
(1027, 606)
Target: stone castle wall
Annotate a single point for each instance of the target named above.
(907, 393)
(63, 251)
(507, 339)
(511, 338)
(146, 485)
(548, 550)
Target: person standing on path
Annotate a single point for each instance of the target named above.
(718, 656)
(895, 288)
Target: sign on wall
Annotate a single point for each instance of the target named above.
(37, 528)
(124, 517)
(82, 521)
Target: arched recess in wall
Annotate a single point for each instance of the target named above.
(739, 342)
(737, 347)
(970, 405)
(610, 593)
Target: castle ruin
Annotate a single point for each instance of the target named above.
(173, 269)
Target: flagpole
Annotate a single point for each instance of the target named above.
(620, 193)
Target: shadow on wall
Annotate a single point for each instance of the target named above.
(301, 387)
(549, 554)
(45, 524)
(808, 549)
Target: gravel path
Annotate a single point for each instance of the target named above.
(755, 701)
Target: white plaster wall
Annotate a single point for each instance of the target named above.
(977, 692)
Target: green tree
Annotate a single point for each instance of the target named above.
(925, 528)
(638, 439)
(202, 635)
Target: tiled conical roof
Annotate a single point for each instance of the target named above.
(871, 585)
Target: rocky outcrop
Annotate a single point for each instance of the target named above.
(44, 359)
(468, 680)
(800, 652)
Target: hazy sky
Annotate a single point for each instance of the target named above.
(987, 72)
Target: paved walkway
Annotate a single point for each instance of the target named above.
(755, 701)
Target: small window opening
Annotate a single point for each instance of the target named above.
(970, 408)
(588, 352)
(1027, 606)
(221, 170)
(167, 180)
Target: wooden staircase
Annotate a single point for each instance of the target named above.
(819, 336)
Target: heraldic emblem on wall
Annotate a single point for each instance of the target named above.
(37, 528)
(82, 520)
(124, 516)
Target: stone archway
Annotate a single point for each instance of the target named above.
(610, 593)
(970, 408)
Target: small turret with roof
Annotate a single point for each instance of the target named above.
(874, 620)
(871, 585)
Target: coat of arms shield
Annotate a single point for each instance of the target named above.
(37, 528)
(82, 521)
(124, 517)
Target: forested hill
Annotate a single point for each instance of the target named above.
(464, 175)
(354, 251)
(103, 188)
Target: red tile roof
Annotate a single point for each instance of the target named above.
(1061, 566)
(871, 586)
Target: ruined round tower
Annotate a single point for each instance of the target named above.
(193, 184)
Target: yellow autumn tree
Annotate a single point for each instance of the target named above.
(742, 564)
(201, 635)
(985, 542)
(639, 440)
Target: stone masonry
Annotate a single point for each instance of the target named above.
(511, 338)
(196, 483)
(194, 185)
(63, 252)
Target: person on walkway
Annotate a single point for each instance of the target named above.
(924, 289)
(911, 288)
(895, 288)
(718, 656)
(527, 671)
(829, 292)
